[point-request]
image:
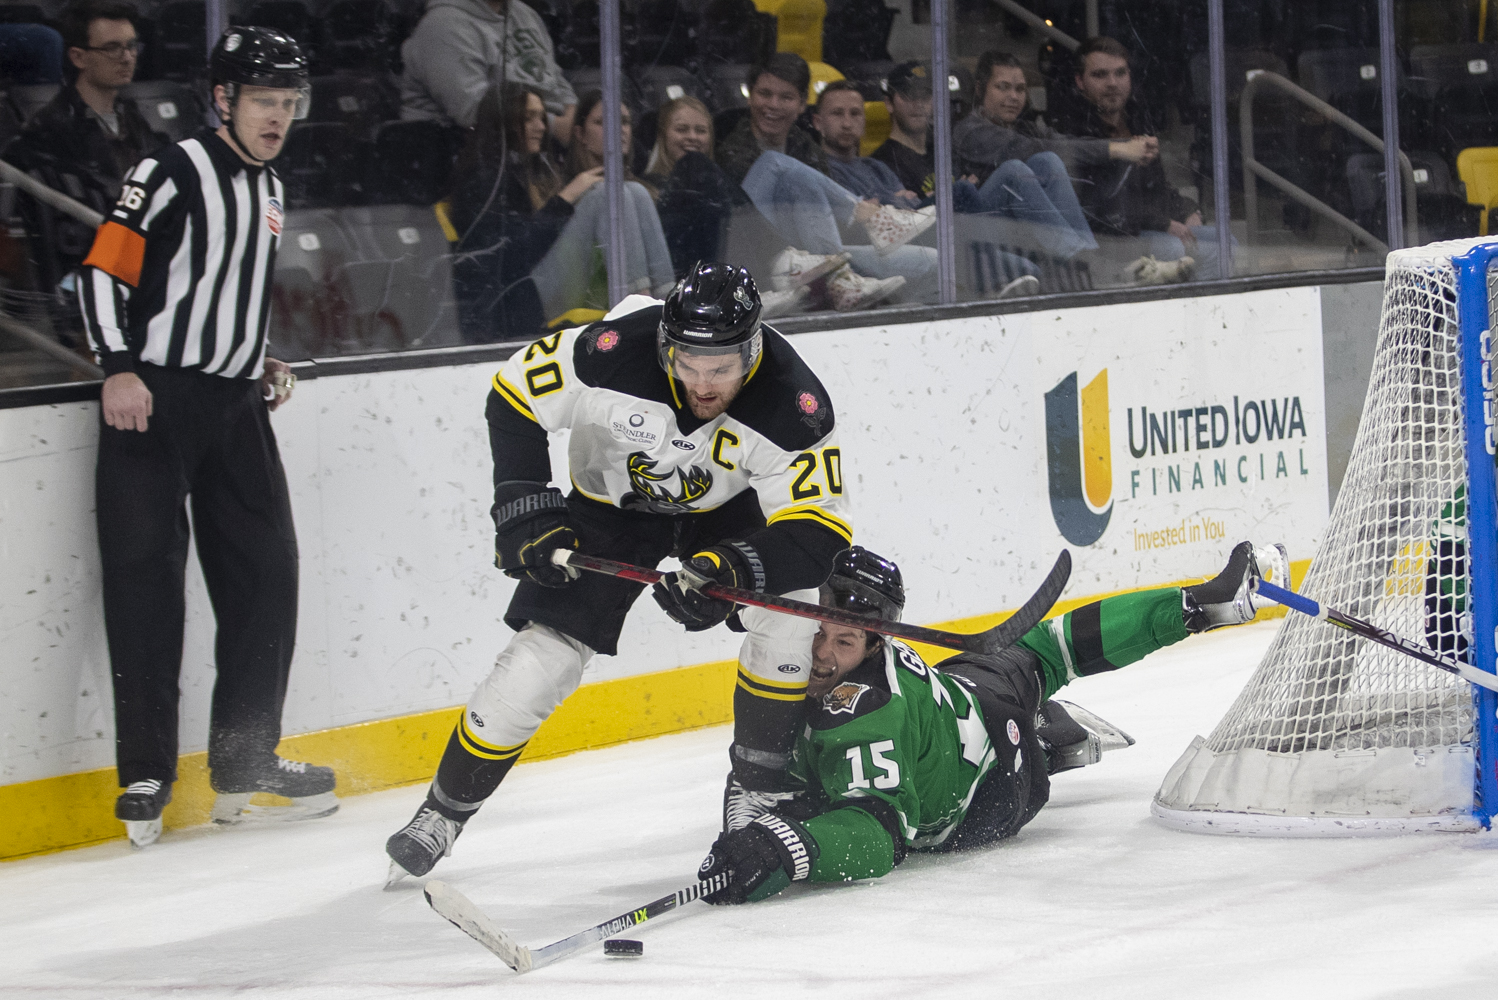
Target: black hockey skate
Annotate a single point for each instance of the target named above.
(1228, 599)
(308, 786)
(742, 806)
(417, 847)
(140, 806)
(1073, 737)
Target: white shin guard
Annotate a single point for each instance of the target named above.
(531, 677)
(777, 648)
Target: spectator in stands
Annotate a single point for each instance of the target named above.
(1020, 165)
(706, 216)
(510, 206)
(86, 139)
(570, 264)
(461, 48)
(839, 118)
(694, 198)
(907, 151)
(30, 54)
(784, 172)
(1132, 199)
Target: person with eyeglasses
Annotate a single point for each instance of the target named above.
(87, 138)
(176, 295)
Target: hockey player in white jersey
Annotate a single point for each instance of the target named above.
(695, 432)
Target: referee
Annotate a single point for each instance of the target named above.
(176, 295)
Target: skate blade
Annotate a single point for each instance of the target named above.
(1109, 735)
(142, 832)
(234, 809)
(395, 875)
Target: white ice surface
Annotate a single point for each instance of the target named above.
(1092, 899)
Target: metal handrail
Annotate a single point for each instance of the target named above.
(1253, 168)
(1041, 25)
(48, 346)
(41, 192)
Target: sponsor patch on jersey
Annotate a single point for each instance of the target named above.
(843, 699)
(644, 430)
(274, 216)
(789, 668)
(475, 718)
(683, 445)
(1013, 730)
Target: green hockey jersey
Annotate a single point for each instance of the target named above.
(897, 732)
(891, 757)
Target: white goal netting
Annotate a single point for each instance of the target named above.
(1334, 735)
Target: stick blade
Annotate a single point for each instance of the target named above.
(459, 910)
(1008, 632)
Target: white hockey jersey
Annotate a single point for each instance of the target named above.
(636, 445)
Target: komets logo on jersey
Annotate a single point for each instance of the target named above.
(1079, 458)
(653, 490)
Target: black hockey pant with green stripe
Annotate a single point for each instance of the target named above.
(1011, 686)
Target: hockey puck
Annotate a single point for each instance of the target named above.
(623, 948)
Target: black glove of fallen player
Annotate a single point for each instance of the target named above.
(530, 523)
(761, 860)
(729, 564)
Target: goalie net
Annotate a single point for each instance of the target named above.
(1333, 735)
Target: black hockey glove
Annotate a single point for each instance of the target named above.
(761, 860)
(530, 523)
(729, 564)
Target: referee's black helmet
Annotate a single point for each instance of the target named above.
(713, 310)
(260, 57)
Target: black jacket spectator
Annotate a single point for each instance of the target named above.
(503, 231)
(1123, 198)
(737, 153)
(68, 147)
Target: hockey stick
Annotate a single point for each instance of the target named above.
(1373, 633)
(1001, 636)
(459, 910)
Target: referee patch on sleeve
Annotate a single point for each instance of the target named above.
(118, 251)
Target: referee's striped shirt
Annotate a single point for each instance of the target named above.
(180, 272)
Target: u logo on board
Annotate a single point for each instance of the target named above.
(1079, 458)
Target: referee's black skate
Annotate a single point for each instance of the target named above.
(308, 786)
(416, 848)
(1228, 598)
(140, 807)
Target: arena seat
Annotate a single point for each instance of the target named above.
(167, 106)
(411, 162)
(1478, 169)
(856, 31)
(360, 35)
(310, 303)
(798, 26)
(1458, 85)
(31, 98)
(400, 279)
(359, 100)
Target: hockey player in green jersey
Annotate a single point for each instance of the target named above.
(897, 755)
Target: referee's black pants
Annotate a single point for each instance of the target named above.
(210, 438)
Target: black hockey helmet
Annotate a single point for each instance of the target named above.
(261, 57)
(713, 310)
(866, 584)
